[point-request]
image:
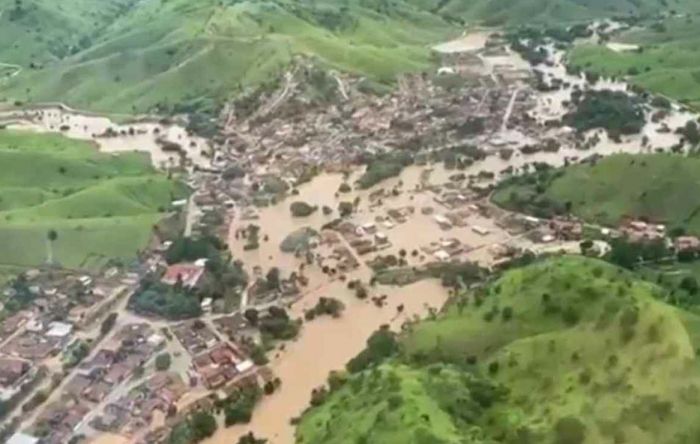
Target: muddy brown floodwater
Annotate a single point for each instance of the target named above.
(136, 136)
(326, 344)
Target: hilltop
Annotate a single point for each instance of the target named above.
(567, 350)
(102, 206)
(659, 187)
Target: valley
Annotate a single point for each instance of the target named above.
(371, 222)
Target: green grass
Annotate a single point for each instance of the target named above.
(129, 56)
(601, 347)
(668, 64)
(506, 12)
(156, 54)
(664, 188)
(102, 206)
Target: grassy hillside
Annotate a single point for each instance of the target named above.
(498, 12)
(661, 187)
(566, 351)
(162, 54)
(125, 56)
(102, 206)
(668, 62)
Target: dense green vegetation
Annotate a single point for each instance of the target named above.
(196, 428)
(383, 167)
(659, 187)
(615, 111)
(567, 350)
(97, 206)
(667, 61)
(156, 298)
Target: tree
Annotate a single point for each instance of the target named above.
(689, 284)
(273, 278)
(163, 362)
(51, 237)
(345, 209)
(302, 209)
(251, 439)
(108, 323)
(203, 425)
(252, 316)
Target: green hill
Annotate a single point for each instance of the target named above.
(660, 187)
(566, 351)
(668, 62)
(126, 56)
(158, 54)
(102, 206)
(500, 12)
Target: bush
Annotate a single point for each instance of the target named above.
(569, 430)
(108, 323)
(163, 362)
(493, 368)
(381, 345)
(302, 209)
(203, 425)
(507, 313)
(345, 209)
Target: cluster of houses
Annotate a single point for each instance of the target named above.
(131, 348)
(135, 411)
(215, 362)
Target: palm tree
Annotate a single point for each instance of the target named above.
(51, 237)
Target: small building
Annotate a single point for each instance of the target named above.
(381, 238)
(22, 438)
(442, 221)
(442, 255)
(59, 330)
(206, 305)
(687, 244)
(480, 230)
(11, 370)
(189, 275)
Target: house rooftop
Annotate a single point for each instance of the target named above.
(188, 274)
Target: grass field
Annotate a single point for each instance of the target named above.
(661, 187)
(567, 350)
(668, 63)
(102, 206)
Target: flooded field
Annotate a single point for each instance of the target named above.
(471, 41)
(110, 137)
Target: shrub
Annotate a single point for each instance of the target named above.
(163, 362)
(569, 430)
(302, 209)
(507, 313)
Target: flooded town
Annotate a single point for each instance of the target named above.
(332, 217)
